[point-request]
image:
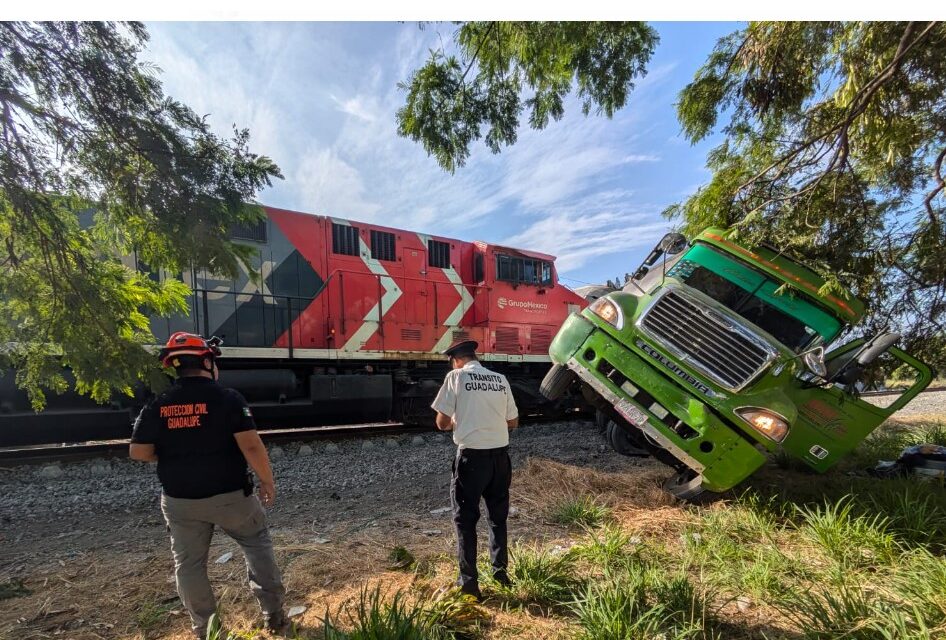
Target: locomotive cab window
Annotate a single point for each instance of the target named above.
(438, 254)
(345, 239)
(523, 270)
(382, 246)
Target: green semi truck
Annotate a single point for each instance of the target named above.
(714, 356)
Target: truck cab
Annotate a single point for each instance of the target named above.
(713, 356)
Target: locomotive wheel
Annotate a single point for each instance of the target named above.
(687, 485)
(556, 381)
(623, 442)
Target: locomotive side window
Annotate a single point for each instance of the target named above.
(255, 231)
(479, 269)
(438, 254)
(345, 239)
(382, 246)
(523, 270)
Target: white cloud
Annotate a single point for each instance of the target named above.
(328, 185)
(639, 157)
(576, 237)
(354, 107)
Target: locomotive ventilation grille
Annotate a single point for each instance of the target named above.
(705, 339)
(507, 340)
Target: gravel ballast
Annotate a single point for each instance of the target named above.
(340, 469)
(98, 486)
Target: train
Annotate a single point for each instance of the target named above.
(344, 324)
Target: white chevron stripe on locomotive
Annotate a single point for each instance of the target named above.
(466, 301)
(391, 293)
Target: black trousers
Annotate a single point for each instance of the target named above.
(477, 473)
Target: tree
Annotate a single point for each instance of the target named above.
(452, 97)
(834, 144)
(97, 163)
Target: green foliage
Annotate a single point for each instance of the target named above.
(97, 163)
(581, 511)
(835, 138)
(453, 96)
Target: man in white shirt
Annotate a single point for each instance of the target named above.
(477, 405)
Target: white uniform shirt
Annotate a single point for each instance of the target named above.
(480, 402)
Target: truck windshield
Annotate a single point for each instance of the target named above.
(791, 320)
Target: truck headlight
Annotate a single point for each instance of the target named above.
(768, 423)
(608, 311)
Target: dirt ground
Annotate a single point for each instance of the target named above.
(109, 575)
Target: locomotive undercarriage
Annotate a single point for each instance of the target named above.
(282, 394)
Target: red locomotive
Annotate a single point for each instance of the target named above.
(346, 325)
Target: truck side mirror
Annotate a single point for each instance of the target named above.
(848, 368)
(672, 243)
(875, 347)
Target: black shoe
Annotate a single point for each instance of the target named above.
(277, 622)
(471, 590)
(502, 578)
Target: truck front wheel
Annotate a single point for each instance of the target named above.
(556, 381)
(687, 485)
(622, 441)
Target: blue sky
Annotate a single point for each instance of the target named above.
(320, 99)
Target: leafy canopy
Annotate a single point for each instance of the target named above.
(97, 163)
(502, 68)
(835, 135)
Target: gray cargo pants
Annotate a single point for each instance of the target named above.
(191, 524)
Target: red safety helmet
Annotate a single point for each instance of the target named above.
(183, 344)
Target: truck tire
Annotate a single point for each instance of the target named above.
(556, 381)
(601, 421)
(687, 485)
(623, 442)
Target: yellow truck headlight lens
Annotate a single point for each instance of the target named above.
(768, 423)
(608, 311)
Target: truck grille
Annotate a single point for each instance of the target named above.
(705, 339)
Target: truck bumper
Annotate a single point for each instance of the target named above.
(658, 406)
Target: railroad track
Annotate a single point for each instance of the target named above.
(73, 452)
(894, 392)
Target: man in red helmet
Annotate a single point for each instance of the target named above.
(202, 436)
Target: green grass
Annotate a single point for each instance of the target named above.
(849, 539)
(13, 588)
(216, 631)
(400, 558)
(376, 617)
(606, 546)
(152, 614)
(540, 576)
(638, 602)
(579, 511)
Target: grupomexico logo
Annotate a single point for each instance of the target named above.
(525, 305)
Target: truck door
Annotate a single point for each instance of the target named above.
(842, 417)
